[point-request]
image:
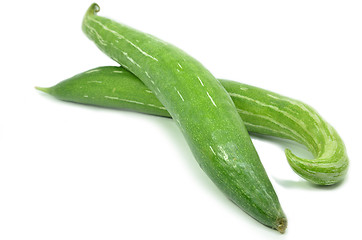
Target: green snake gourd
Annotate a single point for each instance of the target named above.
(262, 111)
(202, 109)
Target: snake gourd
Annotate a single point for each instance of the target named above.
(263, 112)
(202, 109)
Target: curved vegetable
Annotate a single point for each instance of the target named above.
(202, 109)
(262, 111)
(272, 114)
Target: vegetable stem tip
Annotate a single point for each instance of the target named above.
(282, 225)
(46, 90)
(93, 9)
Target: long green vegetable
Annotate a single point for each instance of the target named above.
(263, 112)
(202, 109)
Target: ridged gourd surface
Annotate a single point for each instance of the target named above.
(202, 109)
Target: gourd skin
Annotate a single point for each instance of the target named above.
(272, 114)
(202, 109)
(262, 111)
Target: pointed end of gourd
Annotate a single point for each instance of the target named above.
(299, 166)
(282, 224)
(93, 9)
(313, 171)
(46, 90)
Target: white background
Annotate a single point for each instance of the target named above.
(71, 171)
